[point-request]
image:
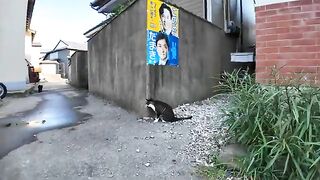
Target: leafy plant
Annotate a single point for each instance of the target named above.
(215, 172)
(121, 7)
(280, 125)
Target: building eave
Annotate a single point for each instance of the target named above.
(29, 13)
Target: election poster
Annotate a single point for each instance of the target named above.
(162, 33)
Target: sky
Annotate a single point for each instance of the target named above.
(63, 19)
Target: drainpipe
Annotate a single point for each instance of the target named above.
(226, 15)
(205, 9)
(241, 27)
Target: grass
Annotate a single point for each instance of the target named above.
(280, 125)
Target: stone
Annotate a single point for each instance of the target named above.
(147, 164)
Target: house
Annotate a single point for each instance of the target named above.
(288, 39)
(15, 20)
(117, 66)
(62, 53)
(32, 48)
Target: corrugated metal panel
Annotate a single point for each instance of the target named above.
(194, 6)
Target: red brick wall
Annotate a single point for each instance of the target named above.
(288, 37)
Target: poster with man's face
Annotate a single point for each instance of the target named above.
(162, 33)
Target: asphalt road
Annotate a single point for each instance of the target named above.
(65, 133)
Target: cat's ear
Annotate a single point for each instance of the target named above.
(150, 99)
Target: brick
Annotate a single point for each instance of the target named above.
(266, 13)
(295, 69)
(263, 75)
(289, 23)
(290, 49)
(277, 6)
(277, 18)
(271, 37)
(300, 2)
(305, 62)
(266, 25)
(292, 55)
(261, 69)
(268, 50)
(260, 8)
(313, 7)
(318, 41)
(273, 56)
(311, 34)
(301, 29)
(312, 49)
(279, 43)
(290, 36)
(316, 1)
(272, 31)
(289, 10)
(317, 14)
(260, 57)
(261, 44)
(271, 63)
(312, 21)
(261, 20)
(299, 49)
(303, 42)
(306, 15)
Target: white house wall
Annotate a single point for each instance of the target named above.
(13, 69)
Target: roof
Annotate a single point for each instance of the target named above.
(67, 45)
(91, 32)
(106, 6)
(62, 44)
(96, 29)
(29, 13)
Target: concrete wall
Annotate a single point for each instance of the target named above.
(117, 61)
(79, 69)
(13, 68)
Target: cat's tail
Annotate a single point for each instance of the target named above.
(182, 118)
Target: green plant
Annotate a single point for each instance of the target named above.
(215, 172)
(280, 125)
(121, 7)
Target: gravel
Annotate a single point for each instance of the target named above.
(207, 131)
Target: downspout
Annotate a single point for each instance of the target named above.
(226, 15)
(241, 27)
(205, 9)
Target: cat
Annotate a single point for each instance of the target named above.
(163, 111)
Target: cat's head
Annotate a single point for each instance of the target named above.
(149, 101)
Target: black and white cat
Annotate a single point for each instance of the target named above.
(163, 111)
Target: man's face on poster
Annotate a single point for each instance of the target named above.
(166, 21)
(162, 49)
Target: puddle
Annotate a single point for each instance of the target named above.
(55, 111)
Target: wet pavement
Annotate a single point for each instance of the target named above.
(54, 111)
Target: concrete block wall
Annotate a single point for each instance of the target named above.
(118, 70)
(288, 37)
(79, 69)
